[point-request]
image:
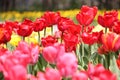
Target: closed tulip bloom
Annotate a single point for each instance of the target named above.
(111, 42)
(54, 72)
(67, 64)
(41, 76)
(64, 23)
(48, 40)
(116, 27)
(82, 75)
(51, 18)
(39, 24)
(98, 72)
(5, 33)
(25, 28)
(108, 19)
(86, 15)
(90, 38)
(52, 53)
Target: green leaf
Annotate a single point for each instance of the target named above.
(113, 66)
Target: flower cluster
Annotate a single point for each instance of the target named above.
(73, 51)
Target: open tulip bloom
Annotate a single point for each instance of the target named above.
(72, 51)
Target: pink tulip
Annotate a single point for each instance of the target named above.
(41, 76)
(32, 51)
(80, 76)
(52, 74)
(51, 53)
(67, 64)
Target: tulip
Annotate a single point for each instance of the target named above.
(90, 39)
(70, 41)
(86, 15)
(116, 27)
(80, 76)
(48, 41)
(51, 18)
(55, 74)
(28, 52)
(52, 53)
(39, 24)
(64, 23)
(111, 42)
(25, 28)
(5, 33)
(98, 72)
(67, 64)
(108, 19)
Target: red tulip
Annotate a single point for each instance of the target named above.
(12, 25)
(67, 64)
(88, 29)
(101, 50)
(39, 24)
(5, 33)
(51, 18)
(116, 27)
(98, 72)
(25, 28)
(86, 15)
(64, 23)
(70, 41)
(90, 39)
(48, 41)
(74, 29)
(108, 19)
(111, 42)
(118, 61)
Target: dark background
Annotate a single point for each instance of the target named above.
(42, 5)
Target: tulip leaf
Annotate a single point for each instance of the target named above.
(41, 63)
(1, 76)
(94, 48)
(113, 66)
(10, 46)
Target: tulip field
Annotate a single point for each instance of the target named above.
(79, 44)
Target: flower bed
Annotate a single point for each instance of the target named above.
(62, 49)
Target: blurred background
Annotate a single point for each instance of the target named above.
(42, 5)
(18, 10)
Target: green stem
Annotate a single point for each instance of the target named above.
(45, 32)
(82, 49)
(90, 52)
(39, 40)
(105, 30)
(107, 61)
(51, 30)
(30, 69)
(78, 54)
(23, 38)
(61, 37)
(6, 45)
